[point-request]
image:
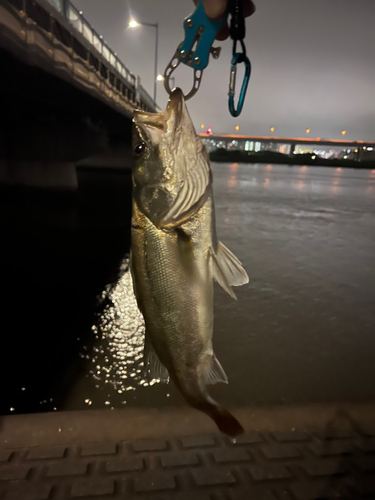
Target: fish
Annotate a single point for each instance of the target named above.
(176, 256)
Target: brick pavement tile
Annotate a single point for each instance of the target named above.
(149, 445)
(124, 464)
(366, 464)
(67, 469)
(45, 452)
(291, 436)
(154, 481)
(99, 449)
(197, 441)
(323, 468)
(368, 430)
(249, 438)
(365, 487)
(335, 433)
(192, 496)
(332, 448)
(211, 477)
(28, 492)
(5, 455)
(93, 487)
(275, 451)
(179, 459)
(313, 491)
(245, 494)
(231, 455)
(13, 472)
(269, 472)
(368, 445)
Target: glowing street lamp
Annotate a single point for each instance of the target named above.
(160, 78)
(272, 129)
(237, 128)
(135, 24)
(202, 126)
(343, 132)
(308, 131)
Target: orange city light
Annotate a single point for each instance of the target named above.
(308, 131)
(202, 126)
(272, 129)
(237, 127)
(343, 132)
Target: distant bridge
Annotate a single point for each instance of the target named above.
(64, 93)
(359, 149)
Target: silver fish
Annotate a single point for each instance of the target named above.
(175, 255)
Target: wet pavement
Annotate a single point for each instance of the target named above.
(59, 456)
(301, 331)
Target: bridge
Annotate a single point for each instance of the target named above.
(64, 93)
(325, 148)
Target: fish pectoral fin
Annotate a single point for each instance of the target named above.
(152, 365)
(227, 269)
(216, 373)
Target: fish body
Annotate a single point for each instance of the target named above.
(176, 255)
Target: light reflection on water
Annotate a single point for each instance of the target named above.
(117, 357)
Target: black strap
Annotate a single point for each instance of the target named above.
(237, 22)
(237, 29)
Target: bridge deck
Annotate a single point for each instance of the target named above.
(67, 47)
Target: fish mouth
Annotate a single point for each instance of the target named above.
(172, 114)
(175, 104)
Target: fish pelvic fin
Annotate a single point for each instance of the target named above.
(225, 421)
(227, 269)
(215, 373)
(152, 366)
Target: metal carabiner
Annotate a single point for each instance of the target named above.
(194, 51)
(237, 58)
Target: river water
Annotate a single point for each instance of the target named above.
(302, 330)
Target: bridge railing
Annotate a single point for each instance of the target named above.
(130, 88)
(82, 26)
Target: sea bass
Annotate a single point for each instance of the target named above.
(175, 255)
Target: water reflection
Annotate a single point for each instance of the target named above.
(117, 357)
(233, 181)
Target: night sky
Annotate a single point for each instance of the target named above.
(313, 63)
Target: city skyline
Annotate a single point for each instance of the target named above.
(312, 64)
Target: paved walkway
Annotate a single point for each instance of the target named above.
(330, 462)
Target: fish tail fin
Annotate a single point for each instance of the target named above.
(225, 421)
(196, 395)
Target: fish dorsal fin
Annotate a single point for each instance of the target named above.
(196, 179)
(227, 269)
(152, 364)
(216, 373)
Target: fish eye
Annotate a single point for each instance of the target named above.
(139, 149)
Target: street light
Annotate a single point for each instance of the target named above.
(272, 129)
(135, 24)
(160, 78)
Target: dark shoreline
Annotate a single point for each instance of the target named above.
(222, 155)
